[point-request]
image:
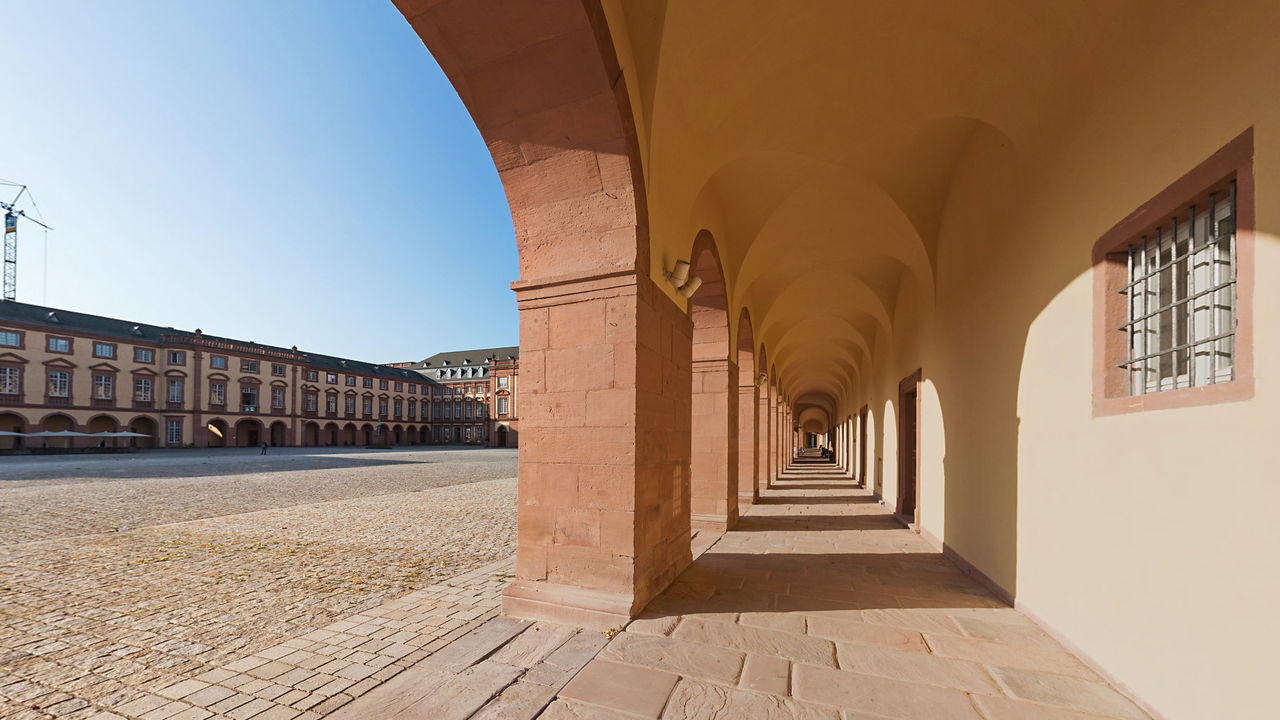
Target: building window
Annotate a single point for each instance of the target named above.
(313, 376)
(1173, 293)
(175, 391)
(277, 398)
(59, 383)
(413, 387)
(309, 402)
(502, 381)
(467, 407)
(457, 409)
(277, 369)
(218, 362)
(502, 406)
(413, 408)
(331, 404)
(59, 344)
(9, 338)
(382, 408)
(249, 366)
(399, 387)
(382, 384)
(142, 390)
(218, 394)
(351, 405)
(104, 350)
(10, 381)
(446, 410)
(144, 355)
(1180, 297)
(249, 398)
(466, 433)
(103, 387)
(399, 406)
(331, 378)
(177, 357)
(368, 406)
(479, 433)
(351, 381)
(368, 382)
(174, 432)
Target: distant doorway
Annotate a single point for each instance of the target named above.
(909, 448)
(277, 434)
(248, 433)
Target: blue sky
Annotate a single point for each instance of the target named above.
(286, 171)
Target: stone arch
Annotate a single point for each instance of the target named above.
(248, 433)
(311, 434)
(146, 426)
(348, 434)
(713, 461)
(279, 434)
(12, 422)
(749, 393)
(329, 436)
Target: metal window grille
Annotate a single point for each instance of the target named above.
(1181, 299)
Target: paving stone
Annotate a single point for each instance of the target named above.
(1067, 692)
(767, 674)
(520, 701)
(918, 667)
(799, 648)
(624, 688)
(693, 699)
(855, 631)
(716, 664)
(475, 645)
(563, 709)
(1003, 708)
(534, 644)
(881, 696)
(1034, 657)
(461, 695)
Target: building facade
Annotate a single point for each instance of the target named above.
(69, 371)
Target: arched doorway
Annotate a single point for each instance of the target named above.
(217, 432)
(101, 424)
(57, 423)
(311, 434)
(331, 434)
(502, 436)
(410, 435)
(143, 426)
(248, 433)
(424, 435)
(278, 434)
(713, 465)
(366, 434)
(397, 435)
(12, 422)
(748, 456)
(349, 434)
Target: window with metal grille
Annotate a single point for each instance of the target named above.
(1180, 298)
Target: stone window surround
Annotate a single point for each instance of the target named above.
(48, 344)
(115, 349)
(1235, 159)
(22, 338)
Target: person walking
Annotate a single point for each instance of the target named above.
(264, 449)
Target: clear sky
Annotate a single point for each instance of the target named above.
(292, 172)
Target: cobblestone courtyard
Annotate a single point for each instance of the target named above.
(122, 577)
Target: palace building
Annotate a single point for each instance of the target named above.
(69, 371)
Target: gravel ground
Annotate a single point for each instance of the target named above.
(204, 569)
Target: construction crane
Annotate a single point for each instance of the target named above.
(11, 215)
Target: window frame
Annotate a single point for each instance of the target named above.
(137, 355)
(48, 344)
(21, 335)
(214, 359)
(112, 351)
(181, 356)
(1110, 273)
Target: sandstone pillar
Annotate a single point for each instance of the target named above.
(748, 444)
(763, 433)
(713, 463)
(603, 521)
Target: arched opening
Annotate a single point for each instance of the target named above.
(278, 434)
(397, 435)
(366, 434)
(14, 423)
(217, 433)
(248, 433)
(311, 434)
(349, 434)
(330, 434)
(144, 426)
(713, 464)
(58, 422)
(748, 413)
(103, 424)
(424, 433)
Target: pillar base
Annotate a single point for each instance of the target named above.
(716, 523)
(567, 605)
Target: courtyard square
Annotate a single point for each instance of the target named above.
(122, 576)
